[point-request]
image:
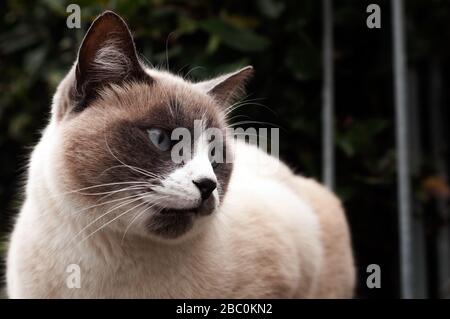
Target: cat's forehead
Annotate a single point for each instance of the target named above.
(166, 101)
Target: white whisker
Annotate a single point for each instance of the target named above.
(115, 218)
(137, 215)
(105, 203)
(134, 199)
(100, 185)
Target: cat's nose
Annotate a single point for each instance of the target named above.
(206, 186)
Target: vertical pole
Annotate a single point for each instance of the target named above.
(328, 96)
(403, 184)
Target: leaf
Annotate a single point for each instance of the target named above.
(18, 124)
(186, 26)
(55, 5)
(239, 39)
(359, 136)
(34, 60)
(240, 21)
(304, 63)
(270, 8)
(19, 38)
(436, 186)
(346, 146)
(213, 44)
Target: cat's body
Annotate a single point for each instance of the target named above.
(263, 232)
(266, 241)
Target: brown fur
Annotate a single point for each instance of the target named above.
(118, 120)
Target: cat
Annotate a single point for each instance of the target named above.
(105, 201)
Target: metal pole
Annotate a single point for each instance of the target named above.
(403, 183)
(328, 96)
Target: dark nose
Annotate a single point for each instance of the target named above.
(205, 186)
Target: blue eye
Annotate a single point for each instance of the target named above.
(159, 138)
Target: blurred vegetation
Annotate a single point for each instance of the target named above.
(282, 39)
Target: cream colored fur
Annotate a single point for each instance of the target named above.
(275, 235)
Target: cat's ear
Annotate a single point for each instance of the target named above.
(228, 87)
(107, 56)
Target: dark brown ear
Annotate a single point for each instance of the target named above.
(228, 87)
(107, 56)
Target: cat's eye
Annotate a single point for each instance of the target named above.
(159, 138)
(212, 154)
(214, 164)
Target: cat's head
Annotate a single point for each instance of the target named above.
(115, 120)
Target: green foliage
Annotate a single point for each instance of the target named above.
(358, 137)
(199, 39)
(2, 248)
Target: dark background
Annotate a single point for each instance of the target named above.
(283, 41)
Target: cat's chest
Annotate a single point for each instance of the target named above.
(155, 274)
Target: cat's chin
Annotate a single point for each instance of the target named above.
(170, 226)
(175, 225)
(196, 211)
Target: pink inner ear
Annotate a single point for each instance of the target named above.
(228, 87)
